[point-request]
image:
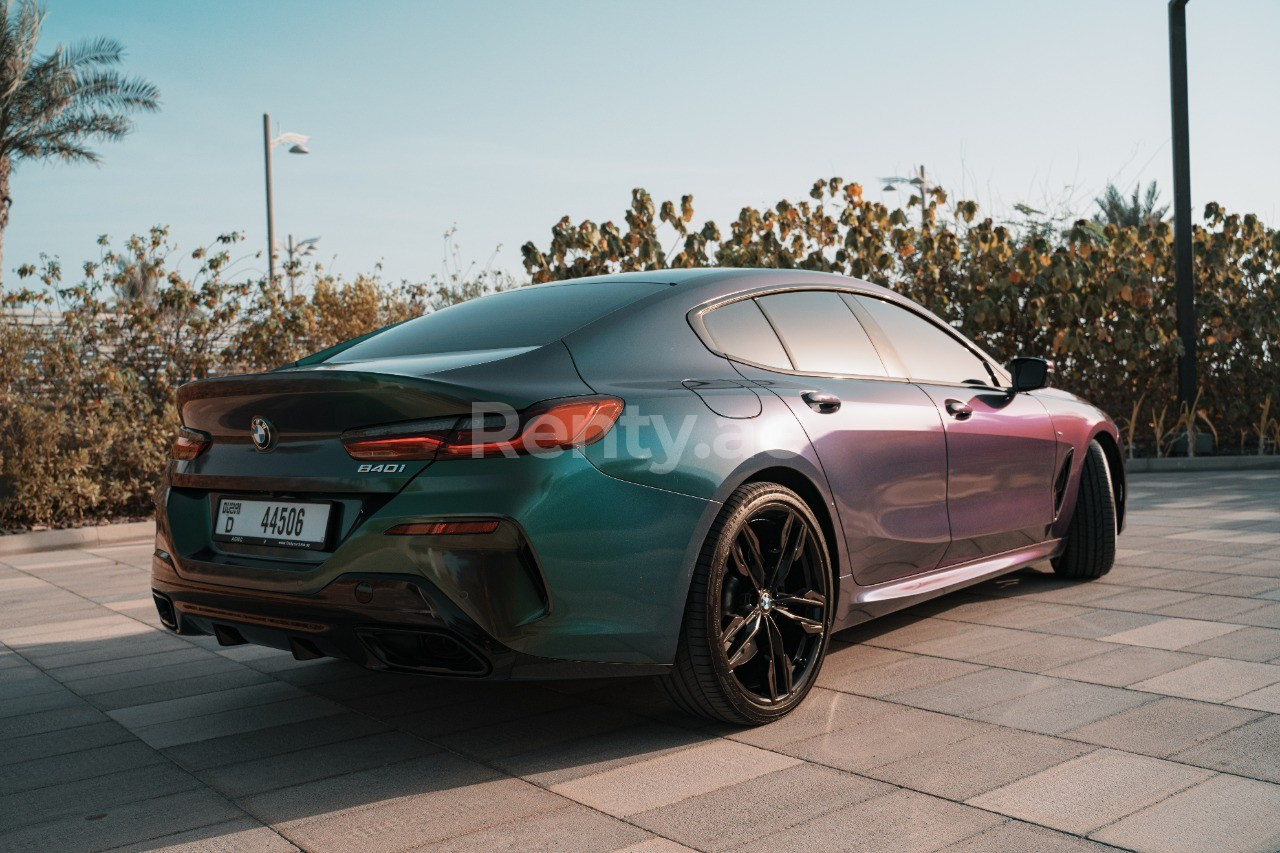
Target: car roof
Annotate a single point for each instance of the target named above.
(741, 277)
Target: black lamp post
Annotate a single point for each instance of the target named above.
(1186, 295)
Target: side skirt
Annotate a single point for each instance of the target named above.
(872, 601)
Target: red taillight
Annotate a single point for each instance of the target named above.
(442, 528)
(419, 440)
(556, 425)
(553, 426)
(189, 444)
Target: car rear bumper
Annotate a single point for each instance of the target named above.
(393, 622)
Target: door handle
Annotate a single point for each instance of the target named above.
(821, 402)
(959, 410)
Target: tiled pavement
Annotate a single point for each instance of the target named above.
(1140, 711)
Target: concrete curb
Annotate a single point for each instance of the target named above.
(1203, 463)
(76, 537)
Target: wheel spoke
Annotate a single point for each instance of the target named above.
(781, 567)
(752, 562)
(809, 626)
(745, 650)
(775, 647)
(812, 598)
(780, 670)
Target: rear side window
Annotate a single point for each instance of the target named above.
(822, 334)
(741, 331)
(527, 317)
(929, 353)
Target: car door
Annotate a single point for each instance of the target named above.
(880, 442)
(1001, 447)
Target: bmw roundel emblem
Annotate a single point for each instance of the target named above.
(262, 433)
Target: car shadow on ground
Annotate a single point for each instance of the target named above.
(131, 715)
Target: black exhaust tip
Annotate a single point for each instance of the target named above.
(164, 607)
(424, 651)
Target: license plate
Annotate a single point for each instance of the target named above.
(282, 524)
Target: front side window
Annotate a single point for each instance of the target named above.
(928, 353)
(821, 333)
(740, 330)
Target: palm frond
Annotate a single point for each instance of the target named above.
(99, 51)
(55, 105)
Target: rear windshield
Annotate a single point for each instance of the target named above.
(527, 317)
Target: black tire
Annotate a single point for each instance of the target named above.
(1091, 539)
(740, 594)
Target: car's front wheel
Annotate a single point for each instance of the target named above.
(1090, 549)
(759, 610)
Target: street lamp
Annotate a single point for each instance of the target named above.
(1183, 282)
(302, 249)
(297, 145)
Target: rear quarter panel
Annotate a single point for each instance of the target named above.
(1076, 423)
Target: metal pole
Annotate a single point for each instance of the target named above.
(1186, 296)
(291, 269)
(271, 225)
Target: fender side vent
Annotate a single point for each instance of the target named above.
(1060, 484)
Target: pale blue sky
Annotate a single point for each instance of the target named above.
(502, 117)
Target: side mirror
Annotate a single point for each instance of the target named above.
(1029, 373)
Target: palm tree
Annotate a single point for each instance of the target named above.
(57, 104)
(1116, 209)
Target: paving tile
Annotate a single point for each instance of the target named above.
(564, 761)
(1163, 727)
(1256, 644)
(964, 769)
(187, 707)
(735, 815)
(971, 640)
(1213, 679)
(447, 720)
(911, 671)
(1240, 585)
(307, 765)
(1144, 600)
(822, 712)
(540, 731)
(1266, 699)
(976, 690)
(1172, 634)
(1093, 624)
(885, 739)
(235, 721)
(276, 740)
(1092, 791)
(34, 746)
(138, 822)
(1066, 705)
(1224, 608)
(68, 767)
(212, 683)
(902, 820)
(37, 703)
(44, 722)
(1042, 653)
(73, 675)
(89, 796)
(1266, 616)
(662, 781)
(238, 835)
(1222, 814)
(411, 816)
(1124, 665)
(1017, 837)
(568, 829)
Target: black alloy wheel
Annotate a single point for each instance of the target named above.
(759, 613)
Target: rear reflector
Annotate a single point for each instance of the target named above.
(189, 444)
(442, 528)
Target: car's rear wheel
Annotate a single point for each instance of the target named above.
(759, 611)
(1091, 539)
